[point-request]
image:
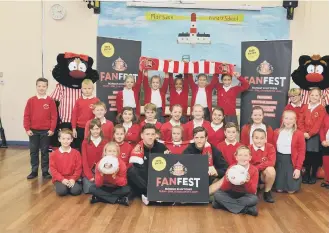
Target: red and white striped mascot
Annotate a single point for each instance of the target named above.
(71, 69)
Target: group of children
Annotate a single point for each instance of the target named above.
(274, 159)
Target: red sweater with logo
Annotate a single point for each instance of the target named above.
(215, 137)
(133, 135)
(245, 134)
(166, 130)
(83, 112)
(189, 126)
(107, 130)
(227, 99)
(298, 147)
(248, 187)
(90, 156)
(65, 165)
(40, 114)
(263, 159)
(125, 151)
(310, 122)
(136, 89)
(228, 151)
(179, 98)
(148, 92)
(120, 179)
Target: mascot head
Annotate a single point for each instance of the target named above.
(312, 72)
(72, 69)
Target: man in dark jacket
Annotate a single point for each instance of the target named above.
(138, 173)
(217, 171)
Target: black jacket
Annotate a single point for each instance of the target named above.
(219, 162)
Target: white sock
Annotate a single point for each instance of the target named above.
(145, 200)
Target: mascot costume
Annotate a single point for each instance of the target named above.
(71, 69)
(313, 72)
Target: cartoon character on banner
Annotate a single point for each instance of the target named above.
(312, 72)
(71, 69)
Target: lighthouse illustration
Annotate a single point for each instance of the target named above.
(193, 37)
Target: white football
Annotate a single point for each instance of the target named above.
(112, 162)
(237, 174)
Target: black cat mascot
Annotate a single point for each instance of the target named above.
(70, 71)
(313, 72)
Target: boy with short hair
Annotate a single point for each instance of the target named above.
(229, 146)
(66, 166)
(99, 111)
(150, 111)
(263, 158)
(83, 112)
(40, 119)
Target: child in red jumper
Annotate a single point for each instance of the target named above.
(65, 166)
(263, 158)
(129, 121)
(129, 96)
(198, 120)
(229, 146)
(83, 112)
(40, 119)
(202, 93)
(177, 145)
(256, 122)
(216, 131)
(125, 147)
(111, 188)
(239, 198)
(226, 95)
(92, 150)
(150, 111)
(324, 137)
(155, 94)
(310, 121)
(176, 114)
(290, 146)
(179, 94)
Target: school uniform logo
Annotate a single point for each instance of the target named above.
(123, 155)
(265, 68)
(316, 114)
(264, 159)
(91, 106)
(178, 169)
(46, 106)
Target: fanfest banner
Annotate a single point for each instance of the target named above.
(266, 65)
(116, 58)
(178, 178)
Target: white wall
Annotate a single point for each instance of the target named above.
(21, 46)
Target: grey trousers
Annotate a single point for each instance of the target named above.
(63, 190)
(86, 184)
(109, 194)
(233, 201)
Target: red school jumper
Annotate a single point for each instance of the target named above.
(107, 130)
(263, 159)
(136, 89)
(179, 98)
(157, 125)
(215, 137)
(228, 151)
(209, 89)
(298, 147)
(83, 111)
(66, 165)
(248, 187)
(189, 126)
(310, 122)
(177, 149)
(166, 131)
(133, 135)
(148, 92)
(227, 99)
(91, 155)
(40, 114)
(245, 134)
(325, 158)
(119, 180)
(125, 152)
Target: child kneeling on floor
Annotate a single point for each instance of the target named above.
(239, 198)
(111, 188)
(66, 166)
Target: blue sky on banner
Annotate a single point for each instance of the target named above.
(159, 38)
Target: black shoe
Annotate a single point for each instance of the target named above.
(123, 201)
(94, 199)
(312, 180)
(251, 211)
(46, 175)
(32, 175)
(268, 197)
(306, 179)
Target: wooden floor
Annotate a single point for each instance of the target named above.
(32, 207)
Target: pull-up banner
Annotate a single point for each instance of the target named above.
(116, 58)
(267, 66)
